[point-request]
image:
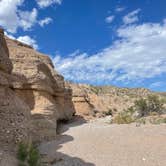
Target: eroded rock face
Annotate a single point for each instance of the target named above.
(33, 97)
(93, 101)
(14, 113)
(41, 88)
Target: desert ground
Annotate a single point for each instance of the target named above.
(96, 143)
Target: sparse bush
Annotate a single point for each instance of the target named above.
(34, 156)
(22, 152)
(155, 104)
(142, 107)
(149, 106)
(28, 155)
(123, 118)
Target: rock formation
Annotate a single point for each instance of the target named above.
(41, 88)
(14, 112)
(94, 101)
(33, 96)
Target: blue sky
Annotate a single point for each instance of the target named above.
(100, 42)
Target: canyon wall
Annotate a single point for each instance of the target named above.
(33, 96)
(14, 112)
(41, 88)
(96, 101)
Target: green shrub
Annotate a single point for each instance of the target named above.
(34, 156)
(123, 118)
(28, 155)
(142, 107)
(149, 106)
(155, 104)
(22, 152)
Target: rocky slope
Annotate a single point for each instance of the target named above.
(33, 96)
(92, 101)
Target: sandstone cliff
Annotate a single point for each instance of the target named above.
(94, 101)
(41, 88)
(14, 112)
(33, 96)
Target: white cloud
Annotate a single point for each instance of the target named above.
(11, 17)
(28, 40)
(139, 54)
(131, 17)
(45, 21)
(46, 3)
(28, 18)
(120, 9)
(8, 14)
(109, 19)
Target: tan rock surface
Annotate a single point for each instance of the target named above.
(33, 97)
(40, 87)
(91, 101)
(14, 113)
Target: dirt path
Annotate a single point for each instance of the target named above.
(99, 144)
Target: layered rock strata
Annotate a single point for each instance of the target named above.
(92, 101)
(14, 112)
(33, 97)
(37, 83)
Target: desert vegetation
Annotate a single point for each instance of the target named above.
(152, 106)
(28, 155)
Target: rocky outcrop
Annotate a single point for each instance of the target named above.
(37, 83)
(33, 97)
(14, 112)
(95, 101)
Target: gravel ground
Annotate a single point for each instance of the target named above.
(99, 144)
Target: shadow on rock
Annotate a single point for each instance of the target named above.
(63, 126)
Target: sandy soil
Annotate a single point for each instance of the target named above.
(99, 144)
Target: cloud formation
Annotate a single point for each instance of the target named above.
(131, 17)
(12, 18)
(47, 3)
(45, 21)
(109, 19)
(120, 9)
(28, 18)
(138, 54)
